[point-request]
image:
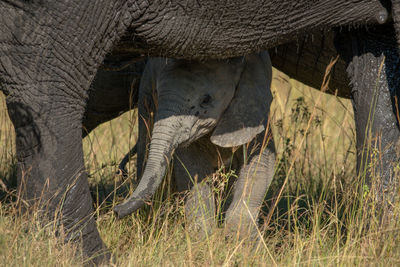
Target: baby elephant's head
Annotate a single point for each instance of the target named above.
(228, 98)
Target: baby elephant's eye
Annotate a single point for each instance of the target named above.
(206, 100)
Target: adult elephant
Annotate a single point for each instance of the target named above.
(50, 52)
(114, 90)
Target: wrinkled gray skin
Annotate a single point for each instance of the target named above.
(50, 52)
(113, 91)
(203, 109)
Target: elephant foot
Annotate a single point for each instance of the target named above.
(86, 235)
(102, 258)
(97, 253)
(200, 210)
(241, 223)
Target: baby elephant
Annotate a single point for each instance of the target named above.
(202, 110)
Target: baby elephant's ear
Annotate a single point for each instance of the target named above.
(247, 114)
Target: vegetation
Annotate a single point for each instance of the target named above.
(325, 215)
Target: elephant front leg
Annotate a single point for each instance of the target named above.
(373, 67)
(46, 68)
(250, 190)
(191, 167)
(200, 208)
(51, 174)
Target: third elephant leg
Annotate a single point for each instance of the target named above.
(373, 66)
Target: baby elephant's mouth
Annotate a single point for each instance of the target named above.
(199, 129)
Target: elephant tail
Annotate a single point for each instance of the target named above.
(122, 165)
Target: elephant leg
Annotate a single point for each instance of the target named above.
(191, 166)
(49, 146)
(373, 67)
(46, 72)
(251, 187)
(114, 90)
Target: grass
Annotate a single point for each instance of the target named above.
(325, 216)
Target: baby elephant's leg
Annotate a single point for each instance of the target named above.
(250, 189)
(191, 166)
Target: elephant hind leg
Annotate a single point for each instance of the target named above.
(250, 190)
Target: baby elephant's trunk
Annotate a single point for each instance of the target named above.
(161, 148)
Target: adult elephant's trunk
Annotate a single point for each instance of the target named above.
(161, 147)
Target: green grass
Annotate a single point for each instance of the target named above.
(325, 216)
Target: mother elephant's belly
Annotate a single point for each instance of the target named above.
(213, 29)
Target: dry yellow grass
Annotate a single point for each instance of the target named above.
(320, 221)
(330, 143)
